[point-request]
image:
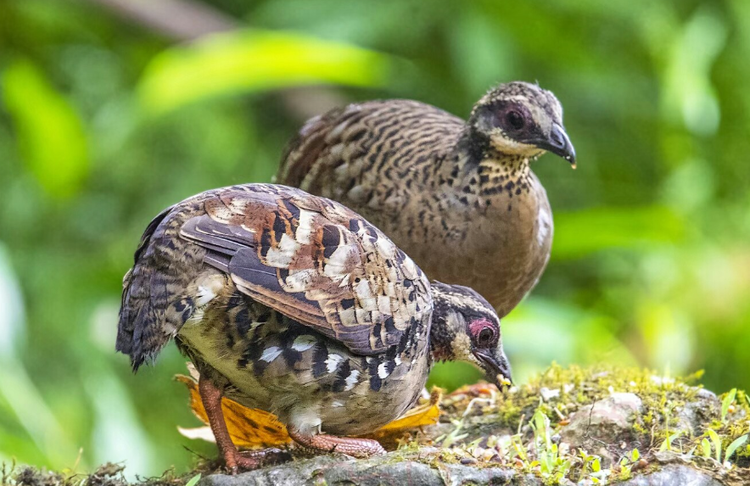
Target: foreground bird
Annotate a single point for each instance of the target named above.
(457, 196)
(296, 305)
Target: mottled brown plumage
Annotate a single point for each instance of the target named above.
(296, 305)
(457, 196)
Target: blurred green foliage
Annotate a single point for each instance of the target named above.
(105, 121)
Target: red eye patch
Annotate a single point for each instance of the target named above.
(476, 326)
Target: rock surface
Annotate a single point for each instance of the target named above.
(570, 426)
(333, 471)
(674, 475)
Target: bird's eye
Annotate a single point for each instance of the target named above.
(515, 120)
(486, 337)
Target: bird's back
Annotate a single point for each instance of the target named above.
(363, 153)
(309, 258)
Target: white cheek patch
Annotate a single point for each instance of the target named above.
(208, 289)
(502, 143)
(461, 346)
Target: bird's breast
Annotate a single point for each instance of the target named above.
(497, 243)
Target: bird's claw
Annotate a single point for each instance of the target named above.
(250, 460)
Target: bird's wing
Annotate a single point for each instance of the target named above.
(313, 260)
(363, 143)
(312, 144)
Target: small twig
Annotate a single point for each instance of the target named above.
(179, 20)
(188, 20)
(489, 401)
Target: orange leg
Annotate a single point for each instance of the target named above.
(233, 459)
(330, 443)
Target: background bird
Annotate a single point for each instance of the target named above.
(458, 196)
(296, 305)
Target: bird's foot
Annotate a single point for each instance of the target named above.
(361, 448)
(248, 460)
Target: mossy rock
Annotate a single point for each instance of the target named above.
(567, 426)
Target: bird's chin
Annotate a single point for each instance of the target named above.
(517, 148)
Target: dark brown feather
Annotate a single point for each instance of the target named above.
(309, 258)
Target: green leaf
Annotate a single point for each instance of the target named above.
(716, 443)
(51, 136)
(635, 455)
(727, 402)
(248, 61)
(690, 94)
(194, 480)
(584, 232)
(667, 444)
(540, 424)
(736, 444)
(706, 446)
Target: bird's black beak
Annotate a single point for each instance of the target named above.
(496, 367)
(559, 144)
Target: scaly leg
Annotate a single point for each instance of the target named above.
(233, 459)
(330, 443)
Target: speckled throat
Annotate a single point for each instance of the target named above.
(465, 213)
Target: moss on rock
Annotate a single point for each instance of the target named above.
(568, 425)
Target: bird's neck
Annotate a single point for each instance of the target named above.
(439, 343)
(477, 168)
(443, 330)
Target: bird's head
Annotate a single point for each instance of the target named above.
(465, 327)
(520, 118)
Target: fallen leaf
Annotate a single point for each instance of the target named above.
(251, 428)
(424, 414)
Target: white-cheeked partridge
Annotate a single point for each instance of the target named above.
(296, 305)
(458, 196)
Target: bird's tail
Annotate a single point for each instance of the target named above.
(154, 301)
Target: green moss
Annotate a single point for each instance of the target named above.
(520, 430)
(569, 389)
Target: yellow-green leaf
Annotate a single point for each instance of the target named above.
(246, 61)
(716, 443)
(194, 480)
(580, 233)
(727, 402)
(736, 444)
(50, 134)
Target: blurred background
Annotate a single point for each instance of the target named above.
(114, 109)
